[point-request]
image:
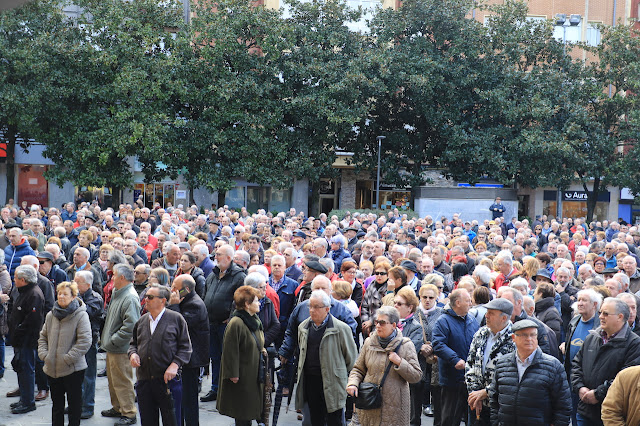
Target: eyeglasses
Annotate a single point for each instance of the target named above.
(605, 313)
(42, 262)
(379, 273)
(527, 335)
(150, 296)
(428, 297)
(138, 273)
(381, 323)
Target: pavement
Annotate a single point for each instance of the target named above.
(42, 415)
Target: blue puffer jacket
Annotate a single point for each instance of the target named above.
(338, 257)
(452, 336)
(14, 254)
(542, 397)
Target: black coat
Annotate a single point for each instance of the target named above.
(567, 298)
(219, 292)
(194, 312)
(547, 313)
(95, 310)
(596, 365)
(200, 279)
(270, 322)
(542, 397)
(27, 316)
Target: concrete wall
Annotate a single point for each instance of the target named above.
(300, 196)
(473, 203)
(347, 190)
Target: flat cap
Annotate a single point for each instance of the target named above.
(316, 266)
(543, 273)
(502, 305)
(351, 228)
(521, 325)
(45, 255)
(609, 271)
(300, 234)
(410, 265)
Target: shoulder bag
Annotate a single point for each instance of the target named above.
(370, 394)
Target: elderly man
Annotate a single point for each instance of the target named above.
(338, 254)
(611, 348)
(490, 342)
(567, 294)
(123, 314)
(507, 271)
(312, 268)
(159, 357)
(203, 261)
(169, 261)
(130, 248)
(18, 248)
(632, 302)
(225, 279)
(81, 263)
(580, 325)
(25, 323)
(141, 277)
(327, 354)
(614, 286)
(94, 304)
(242, 259)
(630, 268)
(49, 270)
(529, 386)
(452, 336)
(186, 301)
(285, 287)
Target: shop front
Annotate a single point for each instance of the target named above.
(574, 204)
(390, 197)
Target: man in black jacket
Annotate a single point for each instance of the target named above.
(95, 310)
(27, 317)
(224, 280)
(529, 387)
(158, 360)
(611, 348)
(186, 301)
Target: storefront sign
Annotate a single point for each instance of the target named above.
(574, 196)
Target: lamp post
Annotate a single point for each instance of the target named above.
(561, 21)
(378, 179)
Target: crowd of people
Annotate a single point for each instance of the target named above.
(367, 318)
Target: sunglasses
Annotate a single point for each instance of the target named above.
(151, 296)
(379, 273)
(42, 262)
(381, 323)
(398, 304)
(428, 297)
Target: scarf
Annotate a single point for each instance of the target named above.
(384, 341)
(403, 322)
(62, 313)
(252, 322)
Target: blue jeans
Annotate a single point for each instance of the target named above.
(1, 356)
(89, 382)
(584, 421)
(190, 413)
(27, 376)
(216, 336)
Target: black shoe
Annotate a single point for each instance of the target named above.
(102, 373)
(210, 396)
(126, 421)
(111, 412)
(85, 416)
(15, 404)
(22, 409)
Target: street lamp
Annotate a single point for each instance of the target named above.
(561, 21)
(378, 180)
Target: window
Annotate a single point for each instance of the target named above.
(593, 34)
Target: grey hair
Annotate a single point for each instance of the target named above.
(117, 257)
(328, 263)
(125, 270)
(322, 297)
(254, 279)
(505, 256)
(244, 255)
(188, 282)
(83, 251)
(482, 272)
(87, 276)
(520, 284)
(261, 269)
(278, 257)
(163, 292)
(338, 239)
(322, 242)
(390, 312)
(624, 277)
(517, 296)
(563, 269)
(27, 273)
(621, 307)
(201, 249)
(630, 296)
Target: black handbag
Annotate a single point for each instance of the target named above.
(262, 362)
(370, 394)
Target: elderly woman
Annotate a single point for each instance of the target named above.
(428, 314)
(64, 340)
(240, 389)
(188, 266)
(374, 294)
(85, 238)
(348, 271)
(267, 313)
(386, 345)
(406, 302)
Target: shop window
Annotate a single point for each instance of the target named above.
(32, 186)
(94, 193)
(280, 200)
(151, 193)
(234, 198)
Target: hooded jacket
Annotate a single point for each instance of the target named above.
(452, 336)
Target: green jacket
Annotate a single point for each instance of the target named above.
(337, 355)
(122, 314)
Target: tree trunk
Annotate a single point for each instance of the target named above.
(116, 197)
(221, 198)
(592, 198)
(11, 164)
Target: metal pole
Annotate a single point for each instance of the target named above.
(378, 179)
